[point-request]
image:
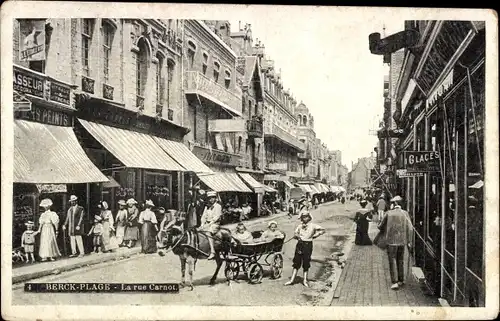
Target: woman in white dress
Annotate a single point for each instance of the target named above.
(108, 228)
(121, 221)
(48, 230)
(149, 228)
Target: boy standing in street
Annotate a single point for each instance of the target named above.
(305, 233)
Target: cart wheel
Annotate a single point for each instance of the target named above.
(277, 266)
(255, 273)
(232, 270)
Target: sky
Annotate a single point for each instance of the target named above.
(326, 63)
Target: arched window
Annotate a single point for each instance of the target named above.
(191, 51)
(205, 63)
(160, 81)
(216, 71)
(299, 116)
(227, 78)
(170, 78)
(304, 120)
(141, 67)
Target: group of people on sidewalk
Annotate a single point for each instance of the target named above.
(108, 232)
(395, 233)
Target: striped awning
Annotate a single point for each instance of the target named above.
(269, 189)
(287, 183)
(183, 155)
(314, 189)
(46, 154)
(256, 186)
(306, 188)
(324, 188)
(224, 182)
(133, 149)
(272, 177)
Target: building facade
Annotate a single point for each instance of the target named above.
(440, 108)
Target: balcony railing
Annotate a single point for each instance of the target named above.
(227, 125)
(255, 128)
(197, 83)
(271, 130)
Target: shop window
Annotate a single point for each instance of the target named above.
(158, 188)
(87, 31)
(107, 33)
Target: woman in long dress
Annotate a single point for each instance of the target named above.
(132, 231)
(362, 219)
(108, 228)
(149, 228)
(121, 222)
(48, 230)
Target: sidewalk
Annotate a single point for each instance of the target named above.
(34, 271)
(365, 281)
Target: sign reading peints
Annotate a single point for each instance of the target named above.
(31, 39)
(403, 173)
(422, 161)
(215, 157)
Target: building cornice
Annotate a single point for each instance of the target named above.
(204, 33)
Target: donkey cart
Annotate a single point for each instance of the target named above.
(245, 258)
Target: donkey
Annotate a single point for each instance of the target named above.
(190, 245)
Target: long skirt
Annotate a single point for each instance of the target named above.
(106, 236)
(362, 237)
(120, 233)
(48, 243)
(148, 237)
(131, 233)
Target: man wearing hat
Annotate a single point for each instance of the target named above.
(74, 224)
(305, 233)
(398, 231)
(210, 220)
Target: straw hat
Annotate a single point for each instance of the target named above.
(122, 202)
(363, 202)
(149, 203)
(98, 218)
(104, 204)
(131, 201)
(211, 194)
(305, 213)
(29, 223)
(271, 223)
(46, 202)
(73, 198)
(396, 198)
(161, 210)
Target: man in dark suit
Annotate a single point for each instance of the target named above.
(74, 224)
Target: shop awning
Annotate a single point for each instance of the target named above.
(256, 186)
(46, 154)
(111, 184)
(224, 182)
(183, 155)
(321, 188)
(287, 183)
(272, 177)
(314, 189)
(306, 188)
(269, 189)
(133, 149)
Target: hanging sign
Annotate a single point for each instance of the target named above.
(403, 173)
(422, 161)
(31, 40)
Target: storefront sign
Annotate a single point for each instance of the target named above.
(215, 157)
(51, 188)
(278, 166)
(32, 39)
(60, 93)
(422, 161)
(28, 82)
(403, 173)
(103, 112)
(45, 116)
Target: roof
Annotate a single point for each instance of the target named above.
(250, 63)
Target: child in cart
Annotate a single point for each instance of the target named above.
(271, 233)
